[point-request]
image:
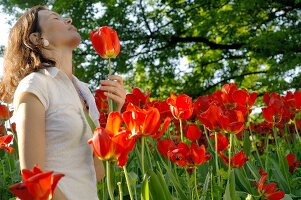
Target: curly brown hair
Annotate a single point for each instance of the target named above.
(21, 56)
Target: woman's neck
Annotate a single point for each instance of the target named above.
(63, 59)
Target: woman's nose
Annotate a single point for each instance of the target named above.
(68, 20)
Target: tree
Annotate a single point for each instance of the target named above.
(254, 43)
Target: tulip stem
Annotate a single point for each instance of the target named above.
(120, 191)
(296, 128)
(255, 146)
(207, 137)
(142, 154)
(195, 184)
(216, 159)
(109, 182)
(181, 130)
(128, 182)
(110, 101)
(230, 149)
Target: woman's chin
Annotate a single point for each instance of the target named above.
(75, 41)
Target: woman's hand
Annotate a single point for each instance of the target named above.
(114, 90)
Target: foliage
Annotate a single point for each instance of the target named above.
(255, 43)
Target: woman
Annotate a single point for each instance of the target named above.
(50, 102)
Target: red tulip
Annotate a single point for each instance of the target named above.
(37, 185)
(211, 118)
(5, 141)
(165, 146)
(278, 108)
(201, 104)
(182, 154)
(292, 162)
(101, 101)
(163, 108)
(5, 114)
(193, 133)
(105, 41)
(267, 191)
(222, 142)
(144, 121)
(242, 97)
(237, 160)
(297, 97)
(111, 143)
(216, 118)
(180, 106)
(138, 98)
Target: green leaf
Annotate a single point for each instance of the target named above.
(156, 191)
(176, 183)
(164, 186)
(230, 193)
(247, 143)
(287, 197)
(283, 184)
(243, 179)
(145, 189)
(205, 186)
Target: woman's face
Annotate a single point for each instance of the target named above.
(57, 30)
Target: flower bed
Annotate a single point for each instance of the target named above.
(209, 148)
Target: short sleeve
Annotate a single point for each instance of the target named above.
(34, 83)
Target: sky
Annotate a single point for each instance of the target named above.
(5, 28)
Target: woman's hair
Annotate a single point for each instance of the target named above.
(21, 56)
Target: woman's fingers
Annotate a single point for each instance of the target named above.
(119, 100)
(114, 89)
(116, 78)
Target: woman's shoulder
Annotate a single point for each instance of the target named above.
(34, 77)
(35, 83)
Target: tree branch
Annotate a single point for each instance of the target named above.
(233, 77)
(212, 45)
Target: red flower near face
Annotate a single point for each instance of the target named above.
(268, 190)
(101, 101)
(105, 41)
(5, 141)
(237, 160)
(193, 133)
(5, 114)
(111, 143)
(180, 106)
(37, 185)
(292, 162)
(144, 121)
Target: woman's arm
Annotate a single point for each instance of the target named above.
(30, 125)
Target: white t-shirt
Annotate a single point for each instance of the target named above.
(66, 129)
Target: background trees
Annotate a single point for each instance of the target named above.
(254, 43)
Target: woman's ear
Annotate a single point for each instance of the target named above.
(35, 39)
